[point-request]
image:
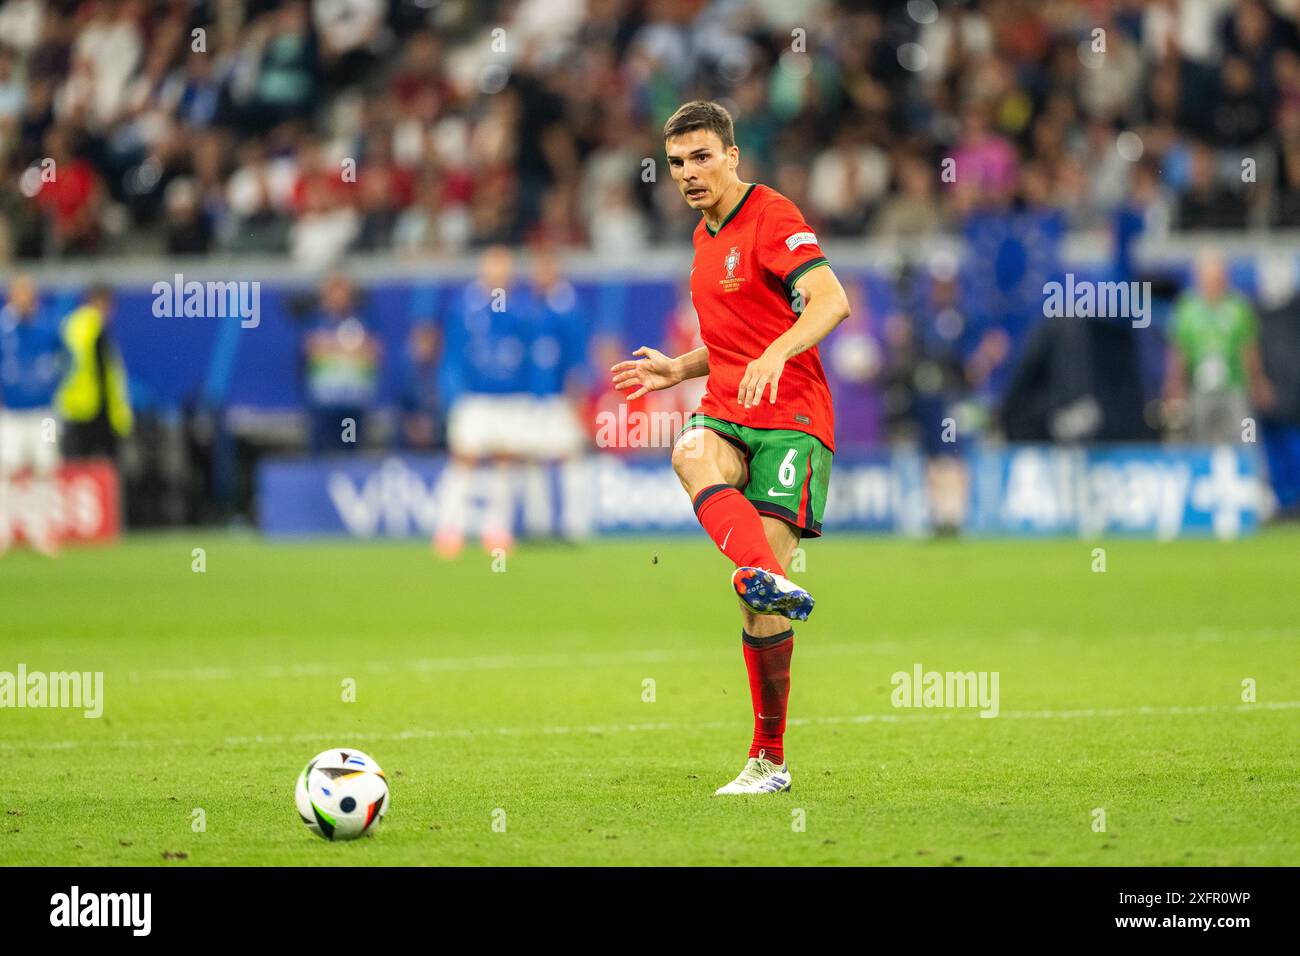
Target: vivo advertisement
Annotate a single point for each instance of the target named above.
(1145, 491)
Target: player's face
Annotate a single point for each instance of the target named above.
(22, 294)
(1213, 276)
(701, 168)
(546, 270)
(104, 303)
(496, 268)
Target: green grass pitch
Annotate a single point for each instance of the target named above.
(517, 697)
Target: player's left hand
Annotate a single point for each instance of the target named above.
(759, 374)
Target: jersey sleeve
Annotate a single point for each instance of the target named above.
(787, 246)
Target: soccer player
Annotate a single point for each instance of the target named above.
(557, 373)
(756, 456)
(483, 379)
(32, 363)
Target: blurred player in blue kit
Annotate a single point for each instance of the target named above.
(33, 361)
(510, 374)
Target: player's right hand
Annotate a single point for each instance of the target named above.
(651, 372)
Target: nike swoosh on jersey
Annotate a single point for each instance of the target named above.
(773, 493)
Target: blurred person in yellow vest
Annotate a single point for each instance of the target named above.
(93, 399)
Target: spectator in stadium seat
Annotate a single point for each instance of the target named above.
(20, 23)
(327, 228)
(188, 231)
(985, 163)
(1207, 204)
(285, 46)
(417, 231)
(419, 72)
(378, 203)
(105, 54)
(1214, 372)
(1242, 114)
(351, 36)
(913, 210)
(13, 93)
(1148, 200)
(257, 196)
(585, 81)
(196, 91)
(21, 222)
(792, 183)
(1113, 91)
(1253, 34)
(210, 153)
(619, 228)
(1286, 211)
(71, 199)
(847, 180)
(383, 189)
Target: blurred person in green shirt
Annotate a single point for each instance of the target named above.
(1215, 374)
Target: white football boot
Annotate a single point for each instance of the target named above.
(759, 776)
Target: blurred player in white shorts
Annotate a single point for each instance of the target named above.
(526, 426)
(483, 380)
(32, 363)
(510, 374)
(557, 362)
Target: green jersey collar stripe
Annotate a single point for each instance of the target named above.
(731, 215)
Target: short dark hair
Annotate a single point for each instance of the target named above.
(702, 114)
(98, 290)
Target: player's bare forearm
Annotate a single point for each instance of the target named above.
(692, 364)
(826, 306)
(651, 370)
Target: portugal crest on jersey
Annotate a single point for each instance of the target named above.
(731, 282)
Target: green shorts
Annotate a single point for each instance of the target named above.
(787, 471)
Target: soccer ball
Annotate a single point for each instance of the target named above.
(341, 794)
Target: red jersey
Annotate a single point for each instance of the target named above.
(742, 284)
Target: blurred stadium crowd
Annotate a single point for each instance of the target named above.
(194, 126)
(433, 131)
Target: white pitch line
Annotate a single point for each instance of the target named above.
(491, 662)
(908, 715)
(479, 662)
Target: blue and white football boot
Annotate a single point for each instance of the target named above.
(766, 593)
